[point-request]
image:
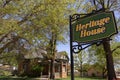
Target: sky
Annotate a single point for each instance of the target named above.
(64, 47)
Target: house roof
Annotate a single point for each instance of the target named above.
(62, 55)
(41, 53)
(36, 54)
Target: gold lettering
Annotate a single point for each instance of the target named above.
(85, 33)
(81, 34)
(86, 25)
(107, 19)
(90, 24)
(93, 23)
(78, 27)
(100, 23)
(83, 27)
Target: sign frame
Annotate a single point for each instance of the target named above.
(108, 16)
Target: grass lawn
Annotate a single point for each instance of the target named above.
(26, 78)
(14, 78)
(78, 78)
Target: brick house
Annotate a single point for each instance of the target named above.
(61, 62)
(118, 75)
(92, 73)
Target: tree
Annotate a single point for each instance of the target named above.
(106, 6)
(116, 50)
(39, 22)
(57, 26)
(79, 61)
(97, 58)
(82, 56)
(15, 51)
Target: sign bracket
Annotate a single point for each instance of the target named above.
(79, 47)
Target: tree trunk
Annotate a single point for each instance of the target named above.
(53, 52)
(52, 70)
(109, 60)
(103, 73)
(81, 69)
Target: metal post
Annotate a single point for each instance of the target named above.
(71, 52)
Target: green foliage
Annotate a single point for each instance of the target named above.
(37, 68)
(96, 53)
(34, 20)
(97, 58)
(116, 52)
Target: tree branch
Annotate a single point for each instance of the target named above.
(115, 48)
(7, 2)
(95, 4)
(112, 4)
(108, 3)
(5, 35)
(7, 56)
(102, 3)
(7, 44)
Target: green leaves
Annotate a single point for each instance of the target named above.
(38, 21)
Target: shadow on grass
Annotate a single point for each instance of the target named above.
(15, 78)
(92, 78)
(28, 78)
(83, 78)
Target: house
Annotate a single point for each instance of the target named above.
(5, 68)
(118, 75)
(93, 73)
(36, 64)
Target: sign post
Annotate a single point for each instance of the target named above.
(71, 52)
